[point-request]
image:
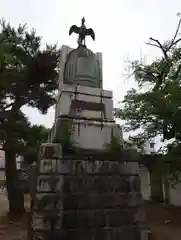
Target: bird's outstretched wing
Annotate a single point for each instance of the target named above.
(90, 32)
(74, 29)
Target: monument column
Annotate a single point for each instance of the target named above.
(85, 189)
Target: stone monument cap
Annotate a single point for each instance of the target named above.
(82, 68)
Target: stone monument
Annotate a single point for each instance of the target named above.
(81, 99)
(89, 193)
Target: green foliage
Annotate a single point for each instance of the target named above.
(155, 107)
(37, 134)
(65, 138)
(114, 146)
(28, 76)
(173, 162)
(135, 142)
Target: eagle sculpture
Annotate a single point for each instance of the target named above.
(83, 32)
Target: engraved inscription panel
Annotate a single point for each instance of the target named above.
(86, 67)
(47, 166)
(49, 184)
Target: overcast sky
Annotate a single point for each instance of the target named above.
(121, 26)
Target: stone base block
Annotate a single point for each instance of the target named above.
(86, 134)
(85, 102)
(50, 150)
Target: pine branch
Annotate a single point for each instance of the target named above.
(159, 45)
(173, 42)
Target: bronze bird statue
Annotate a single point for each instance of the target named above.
(83, 32)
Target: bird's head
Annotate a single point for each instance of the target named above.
(83, 20)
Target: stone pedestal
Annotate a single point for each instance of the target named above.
(90, 113)
(89, 195)
(87, 102)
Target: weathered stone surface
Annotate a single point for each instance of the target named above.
(47, 166)
(98, 184)
(89, 198)
(129, 168)
(70, 220)
(136, 184)
(49, 184)
(125, 232)
(50, 150)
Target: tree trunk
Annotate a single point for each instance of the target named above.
(166, 189)
(156, 186)
(15, 195)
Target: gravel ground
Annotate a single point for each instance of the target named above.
(164, 222)
(11, 230)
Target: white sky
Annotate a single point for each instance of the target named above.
(121, 26)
